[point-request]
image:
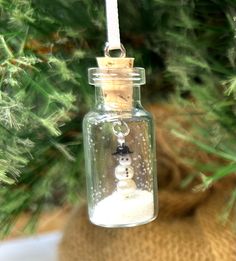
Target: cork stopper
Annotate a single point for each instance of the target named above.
(118, 91)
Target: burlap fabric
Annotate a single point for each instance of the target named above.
(188, 226)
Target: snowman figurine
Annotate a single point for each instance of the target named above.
(124, 172)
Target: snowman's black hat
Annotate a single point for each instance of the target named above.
(122, 150)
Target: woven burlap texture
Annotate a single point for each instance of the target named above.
(188, 227)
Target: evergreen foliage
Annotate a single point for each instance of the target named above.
(187, 48)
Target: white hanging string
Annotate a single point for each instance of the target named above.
(113, 30)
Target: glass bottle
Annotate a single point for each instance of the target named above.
(120, 154)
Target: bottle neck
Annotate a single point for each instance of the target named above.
(117, 102)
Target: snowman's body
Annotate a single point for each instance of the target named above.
(124, 172)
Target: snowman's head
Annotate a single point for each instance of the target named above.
(124, 172)
(125, 160)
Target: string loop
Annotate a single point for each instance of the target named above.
(113, 30)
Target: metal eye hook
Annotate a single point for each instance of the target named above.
(107, 50)
(120, 127)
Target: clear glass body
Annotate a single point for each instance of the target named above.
(120, 158)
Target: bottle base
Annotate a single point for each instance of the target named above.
(118, 211)
(124, 225)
